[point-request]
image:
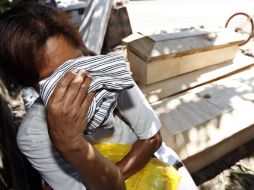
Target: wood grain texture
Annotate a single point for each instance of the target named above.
(169, 87)
(157, 46)
(185, 112)
(159, 70)
(203, 143)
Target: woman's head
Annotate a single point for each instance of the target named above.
(24, 32)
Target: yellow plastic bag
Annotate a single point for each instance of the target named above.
(156, 175)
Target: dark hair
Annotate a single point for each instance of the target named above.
(24, 30)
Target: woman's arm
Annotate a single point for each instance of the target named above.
(141, 152)
(138, 114)
(66, 116)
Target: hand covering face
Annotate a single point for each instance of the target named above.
(110, 76)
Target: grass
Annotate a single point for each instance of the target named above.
(244, 176)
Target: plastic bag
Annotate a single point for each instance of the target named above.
(156, 175)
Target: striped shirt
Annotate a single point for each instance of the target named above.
(110, 76)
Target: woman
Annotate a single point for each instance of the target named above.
(35, 40)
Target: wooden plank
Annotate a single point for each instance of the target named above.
(149, 48)
(224, 94)
(176, 35)
(163, 69)
(175, 142)
(94, 24)
(185, 112)
(139, 71)
(195, 44)
(202, 144)
(209, 155)
(132, 37)
(169, 87)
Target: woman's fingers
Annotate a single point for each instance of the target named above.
(70, 102)
(62, 87)
(85, 106)
(83, 91)
(74, 88)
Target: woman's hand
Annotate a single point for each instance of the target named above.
(67, 110)
(67, 120)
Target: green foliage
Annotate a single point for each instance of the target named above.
(244, 176)
(4, 4)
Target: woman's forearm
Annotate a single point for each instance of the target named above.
(97, 171)
(67, 119)
(139, 156)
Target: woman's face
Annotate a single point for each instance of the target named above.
(57, 51)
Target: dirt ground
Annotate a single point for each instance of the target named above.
(222, 174)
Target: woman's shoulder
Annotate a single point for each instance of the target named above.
(33, 128)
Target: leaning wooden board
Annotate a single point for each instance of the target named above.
(94, 24)
(158, 57)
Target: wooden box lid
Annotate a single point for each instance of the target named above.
(152, 47)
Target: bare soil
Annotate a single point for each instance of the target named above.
(220, 175)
